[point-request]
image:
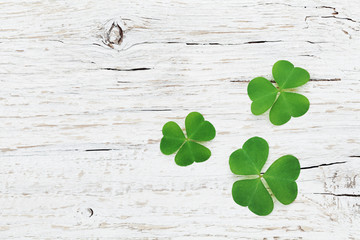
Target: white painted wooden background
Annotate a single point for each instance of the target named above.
(81, 119)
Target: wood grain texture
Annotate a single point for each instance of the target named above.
(81, 121)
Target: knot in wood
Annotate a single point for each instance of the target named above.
(114, 35)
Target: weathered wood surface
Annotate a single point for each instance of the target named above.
(81, 121)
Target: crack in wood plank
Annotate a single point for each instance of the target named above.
(322, 165)
(334, 9)
(343, 18)
(98, 150)
(339, 194)
(229, 44)
(127, 70)
(331, 16)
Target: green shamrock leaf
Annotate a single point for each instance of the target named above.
(280, 177)
(284, 105)
(197, 129)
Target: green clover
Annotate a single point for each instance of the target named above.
(197, 129)
(280, 177)
(287, 104)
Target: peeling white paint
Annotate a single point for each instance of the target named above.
(65, 92)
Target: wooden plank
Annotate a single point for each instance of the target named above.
(81, 121)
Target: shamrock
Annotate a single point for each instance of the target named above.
(287, 104)
(280, 177)
(197, 129)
